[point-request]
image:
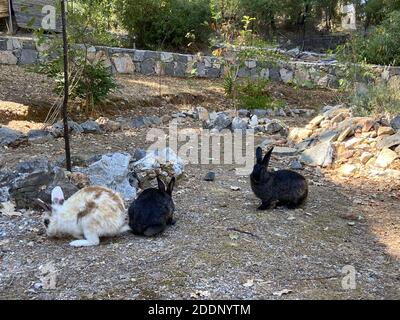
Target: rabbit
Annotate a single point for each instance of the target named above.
(153, 210)
(91, 213)
(283, 187)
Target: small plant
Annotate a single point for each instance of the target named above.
(251, 94)
(378, 98)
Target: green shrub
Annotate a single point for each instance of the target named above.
(167, 24)
(378, 98)
(252, 94)
(379, 47)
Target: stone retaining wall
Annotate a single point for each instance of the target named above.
(22, 51)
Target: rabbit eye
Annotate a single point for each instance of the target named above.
(46, 222)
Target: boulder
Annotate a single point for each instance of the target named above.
(7, 57)
(274, 127)
(38, 136)
(285, 151)
(395, 123)
(112, 171)
(299, 134)
(239, 124)
(26, 189)
(11, 138)
(108, 125)
(91, 126)
(319, 155)
(158, 162)
(221, 121)
(385, 158)
(142, 122)
(57, 130)
(389, 141)
(385, 131)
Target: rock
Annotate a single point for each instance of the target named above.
(314, 123)
(348, 169)
(243, 113)
(112, 172)
(28, 56)
(222, 121)
(164, 162)
(39, 136)
(385, 131)
(273, 127)
(33, 166)
(139, 154)
(304, 144)
(108, 125)
(389, 141)
(395, 123)
(328, 81)
(284, 151)
(7, 57)
(352, 142)
(11, 138)
(368, 124)
(299, 134)
(123, 63)
(57, 130)
(396, 150)
(281, 113)
(365, 157)
(91, 126)
(201, 114)
(296, 165)
(319, 155)
(26, 189)
(345, 133)
(142, 122)
(239, 124)
(286, 75)
(328, 136)
(385, 158)
(260, 112)
(253, 121)
(210, 176)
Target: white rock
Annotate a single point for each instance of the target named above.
(385, 158)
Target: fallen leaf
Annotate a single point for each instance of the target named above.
(282, 292)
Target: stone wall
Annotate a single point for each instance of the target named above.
(22, 51)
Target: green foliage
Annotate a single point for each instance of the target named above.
(378, 98)
(252, 94)
(170, 24)
(381, 46)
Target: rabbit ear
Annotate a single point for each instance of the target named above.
(171, 186)
(161, 185)
(57, 196)
(259, 155)
(267, 157)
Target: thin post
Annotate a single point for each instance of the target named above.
(66, 88)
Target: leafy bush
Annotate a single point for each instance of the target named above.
(379, 47)
(251, 94)
(169, 24)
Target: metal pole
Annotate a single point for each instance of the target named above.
(66, 87)
(10, 22)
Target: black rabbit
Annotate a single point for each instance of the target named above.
(153, 210)
(280, 188)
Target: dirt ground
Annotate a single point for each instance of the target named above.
(221, 246)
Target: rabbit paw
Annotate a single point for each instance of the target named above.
(83, 243)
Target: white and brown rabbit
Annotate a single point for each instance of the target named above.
(88, 215)
(280, 188)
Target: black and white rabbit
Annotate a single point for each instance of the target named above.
(153, 210)
(283, 187)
